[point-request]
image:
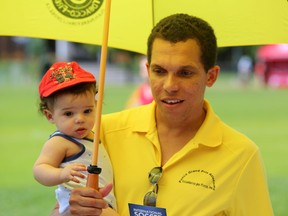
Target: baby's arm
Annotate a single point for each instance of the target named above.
(46, 168)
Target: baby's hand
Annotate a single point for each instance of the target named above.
(69, 172)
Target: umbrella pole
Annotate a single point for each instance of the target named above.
(93, 169)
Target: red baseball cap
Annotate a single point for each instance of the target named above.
(62, 75)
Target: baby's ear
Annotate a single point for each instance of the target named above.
(49, 115)
(212, 75)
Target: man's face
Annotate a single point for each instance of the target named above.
(178, 79)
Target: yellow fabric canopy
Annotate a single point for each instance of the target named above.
(236, 23)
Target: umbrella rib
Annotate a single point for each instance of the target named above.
(153, 13)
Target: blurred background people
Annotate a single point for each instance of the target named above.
(142, 94)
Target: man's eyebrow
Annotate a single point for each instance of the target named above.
(154, 65)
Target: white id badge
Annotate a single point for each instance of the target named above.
(141, 210)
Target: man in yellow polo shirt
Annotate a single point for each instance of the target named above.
(175, 156)
(207, 168)
(217, 172)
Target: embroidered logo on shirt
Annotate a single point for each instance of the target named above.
(200, 178)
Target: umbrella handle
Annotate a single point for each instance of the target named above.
(93, 170)
(93, 176)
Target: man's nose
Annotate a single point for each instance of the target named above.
(171, 83)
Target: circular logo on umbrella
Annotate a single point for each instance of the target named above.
(77, 9)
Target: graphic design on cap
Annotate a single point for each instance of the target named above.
(63, 73)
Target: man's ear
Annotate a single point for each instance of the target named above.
(147, 68)
(49, 116)
(212, 75)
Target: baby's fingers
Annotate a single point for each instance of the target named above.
(74, 175)
(79, 167)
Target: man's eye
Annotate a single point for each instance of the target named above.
(186, 73)
(158, 70)
(68, 114)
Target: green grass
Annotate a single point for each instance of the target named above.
(260, 113)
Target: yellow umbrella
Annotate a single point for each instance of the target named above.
(236, 23)
(246, 22)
